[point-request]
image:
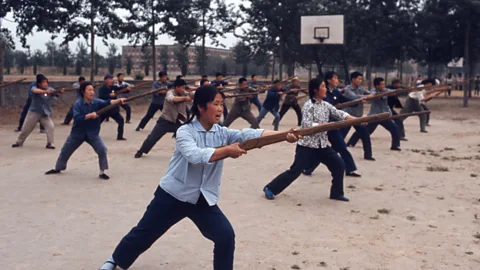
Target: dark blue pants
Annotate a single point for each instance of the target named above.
(73, 142)
(255, 101)
(303, 157)
(69, 116)
(152, 109)
(388, 125)
(128, 111)
(338, 144)
(364, 136)
(427, 117)
(115, 114)
(163, 212)
(225, 111)
(24, 114)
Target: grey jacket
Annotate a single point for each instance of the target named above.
(354, 94)
(379, 105)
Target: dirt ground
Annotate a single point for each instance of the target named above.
(406, 212)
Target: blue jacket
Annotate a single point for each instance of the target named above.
(273, 99)
(82, 127)
(335, 97)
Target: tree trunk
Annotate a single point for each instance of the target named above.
(369, 69)
(345, 66)
(92, 49)
(310, 72)
(273, 69)
(244, 69)
(429, 62)
(281, 57)
(35, 69)
(204, 36)
(64, 70)
(154, 51)
(466, 61)
(401, 70)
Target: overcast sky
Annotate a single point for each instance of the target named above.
(38, 39)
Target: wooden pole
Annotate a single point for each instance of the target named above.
(111, 106)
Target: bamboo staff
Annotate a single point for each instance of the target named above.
(301, 97)
(242, 95)
(131, 88)
(280, 137)
(111, 106)
(432, 96)
(265, 87)
(391, 93)
(10, 83)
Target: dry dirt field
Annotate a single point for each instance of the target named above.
(417, 209)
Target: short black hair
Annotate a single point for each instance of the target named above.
(313, 84)
(276, 81)
(355, 75)
(329, 75)
(426, 81)
(377, 81)
(202, 81)
(81, 78)
(254, 75)
(82, 88)
(396, 81)
(204, 76)
(179, 77)
(179, 82)
(120, 74)
(218, 74)
(162, 73)
(241, 80)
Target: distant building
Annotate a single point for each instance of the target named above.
(137, 56)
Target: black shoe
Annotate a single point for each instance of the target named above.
(354, 174)
(42, 131)
(104, 176)
(137, 129)
(306, 173)
(138, 154)
(370, 158)
(49, 146)
(52, 171)
(65, 124)
(121, 139)
(340, 198)
(404, 139)
(423, 131)
(18, 129)
(395, 149)
(15, 145)
(128, 122)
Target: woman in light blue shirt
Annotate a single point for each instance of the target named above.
(191, 186)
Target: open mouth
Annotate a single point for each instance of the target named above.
(218, 116)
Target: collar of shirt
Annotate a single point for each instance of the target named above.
(198, 127)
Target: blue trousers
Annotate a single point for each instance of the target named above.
(361, 131)
(23, 114)
(255, 101)
(338, 144)
(388, 125)
(263, 113)
(73, 142)
(152, 109)
(162, 213)
(303, 157)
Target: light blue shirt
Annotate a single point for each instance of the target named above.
(190, 173)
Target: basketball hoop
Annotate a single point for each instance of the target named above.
(315, 30)
(321, 33)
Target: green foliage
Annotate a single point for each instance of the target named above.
(139, 76)
(21, 59)
(164, 58)
(181, 55)
(37, 59)
(146, 60)
(82, 59)
(129, 65)
(242, 55)
(112, 57)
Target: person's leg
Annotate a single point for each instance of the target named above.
(250, 118)
(338, 144)
(365, 137)
(422, 118)
(427, 116)
(336, 167)
(162, 213)
(161, 128)
(303, 157)
(261, 115)
(30, 122)
(101, 149)
(214, 226)
(128, 111)
(47, 122)
(344, 131)
(121, 124)
(188, 112)
(371, 128)
(71, 144)
(235, 112)
(298, 111)
(225, 111)
(284, 109)
(353, 139)
(276, 121)
(393, 129)
(255, 101)
(24, 113)
(152, 109)
(311, 167)
(69, 116)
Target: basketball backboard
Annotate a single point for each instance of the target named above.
(326, 29)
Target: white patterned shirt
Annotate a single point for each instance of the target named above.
(316, 113)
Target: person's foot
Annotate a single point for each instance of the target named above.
(138, 154)
(18, 129)
(52, 171)
(42, 131)
(128, 122)
(404, 139)
(370, 158)
(108, 265)
(268, 194)
(137, 129)
(64, 124)
(340, 198)
(395, 149)
(349, 145)
(15, 145)
(121, 139)
(307, 173)
(423, 131)
(354, 174)
(103, 176)
(50, 146)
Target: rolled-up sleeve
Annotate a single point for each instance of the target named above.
(235, 135)
(338, 114)
(188, 147)
(169, 96)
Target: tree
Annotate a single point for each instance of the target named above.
(50, 53)
(81, 60)
(242, 55)
(64, 58)
(112, 57)
(146, 57)
(9, 59)
(21, 60)
(129, 65)
(181, 55)
(37, 59)
(201, 59)
(164, 58)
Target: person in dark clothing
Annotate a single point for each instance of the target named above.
(107, 93)
(69, 115)
(254, 100)
(24, 112)
(122, 85)
(219, 83)
(271, 103)
(290, 101)
(394, 102)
